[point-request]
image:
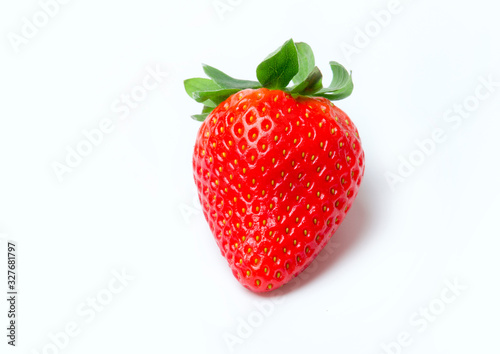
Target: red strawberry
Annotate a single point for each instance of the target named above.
(276, 169)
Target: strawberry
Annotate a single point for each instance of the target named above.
(277, 168)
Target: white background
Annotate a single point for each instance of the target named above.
(128, 206)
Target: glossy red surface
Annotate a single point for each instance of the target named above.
(276, 176)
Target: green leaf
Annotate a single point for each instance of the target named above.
(204, 114)
(279, 68)
(306, 62)
(341, 78)
(207, 109)
(216, 96)
(338, 94)
(291, 62)
(200, 117)
(209, 103)
(226, 81)
(311, 84)
(199, 84)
